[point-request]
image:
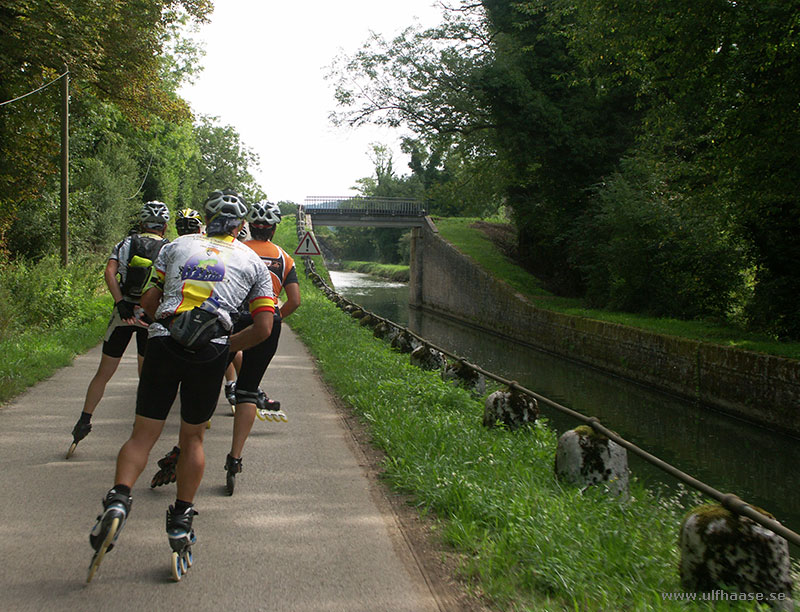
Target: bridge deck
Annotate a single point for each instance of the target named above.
(365, 211)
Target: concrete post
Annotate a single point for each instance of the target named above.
(585, 457)
(720, 549)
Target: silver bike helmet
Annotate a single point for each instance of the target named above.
(154, 215)
(264, 213)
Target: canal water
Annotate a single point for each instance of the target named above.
(728, 454)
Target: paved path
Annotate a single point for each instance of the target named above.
(304, 531)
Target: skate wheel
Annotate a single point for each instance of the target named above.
(188, 559)
(101, 552)
(262, 415)
(208, 424)
(283, 418)
(230, 482)
(233, 410)
(177, 567)
(71, 449)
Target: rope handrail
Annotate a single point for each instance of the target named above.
(30, 93)
(729, 501)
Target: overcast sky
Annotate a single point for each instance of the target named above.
(264, 74)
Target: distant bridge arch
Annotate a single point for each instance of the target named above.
(364, 211)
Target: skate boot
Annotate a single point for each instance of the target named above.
(230, 395)
(166, 472)
(269, 410)
(79, 432)
(116, 507)
(233, 467)
(181, 537)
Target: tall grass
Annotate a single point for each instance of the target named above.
(48, 314)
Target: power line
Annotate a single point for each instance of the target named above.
(30, 93)
(144, 179)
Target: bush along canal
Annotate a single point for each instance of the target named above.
(527, 539)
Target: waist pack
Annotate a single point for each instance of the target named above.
(195, 328)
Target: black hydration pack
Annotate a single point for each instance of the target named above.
(143, 252)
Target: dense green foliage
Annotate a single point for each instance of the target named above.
(470, 240)
(48, 314)
(132, 138)
(647, 152)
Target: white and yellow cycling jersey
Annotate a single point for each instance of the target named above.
(193, 268)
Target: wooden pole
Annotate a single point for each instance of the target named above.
(65, 167)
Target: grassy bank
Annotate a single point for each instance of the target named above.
(48, 315)
(476, 245)
(390, 272)
(526, 542)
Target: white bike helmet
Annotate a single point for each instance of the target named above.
(264, 213)
(154, 215)
(225, 203)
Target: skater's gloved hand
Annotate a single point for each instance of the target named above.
(125, 309)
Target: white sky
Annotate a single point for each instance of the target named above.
(264, 74)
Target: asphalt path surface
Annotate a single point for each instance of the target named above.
(304, 530)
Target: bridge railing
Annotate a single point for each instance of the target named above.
(350, 205)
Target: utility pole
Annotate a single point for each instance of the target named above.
(65, 167)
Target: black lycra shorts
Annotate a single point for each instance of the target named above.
(118, 335)
(168, 366)
(256, 360)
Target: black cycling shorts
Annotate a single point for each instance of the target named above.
(256, 360)
(167, 367)
(118, 336)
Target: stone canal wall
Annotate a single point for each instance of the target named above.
(760, 388)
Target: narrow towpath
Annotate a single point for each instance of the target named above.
(305, 530)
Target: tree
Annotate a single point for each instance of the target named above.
(225, 162)
(429, 82)
(717, 82)
(114, 53)
(556, 132)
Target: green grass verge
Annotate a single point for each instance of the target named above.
(397, 273)
(35, 354)
(526, 541)
(473, 242)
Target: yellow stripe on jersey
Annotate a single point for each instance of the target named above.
(194, 293)
(262, 303)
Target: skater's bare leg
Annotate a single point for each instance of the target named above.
(242, 424)
(191, 461)
(97, 386)
(133, 455)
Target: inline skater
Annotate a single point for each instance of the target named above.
(126, 274)
(199, 282)
(263, 219)
(187, 221)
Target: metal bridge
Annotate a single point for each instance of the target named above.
(364, 211)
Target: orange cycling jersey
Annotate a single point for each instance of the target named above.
(278, 262)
